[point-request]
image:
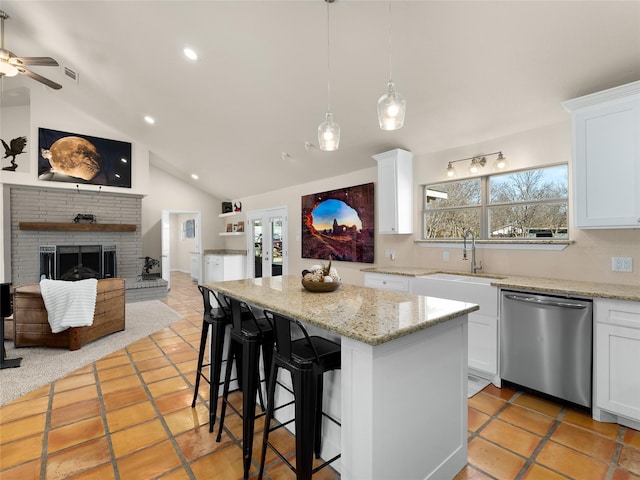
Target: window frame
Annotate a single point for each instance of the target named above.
(485, 206)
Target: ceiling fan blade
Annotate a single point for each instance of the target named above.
(43, 61)
(39, 78)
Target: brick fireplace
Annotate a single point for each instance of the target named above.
(47, 205)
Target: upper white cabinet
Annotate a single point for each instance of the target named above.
(395, 191)
(606, 158)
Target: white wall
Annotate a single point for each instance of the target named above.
(162, 190)
(166, 192)
(588, 258)
(46, 110)
(181, 248)
(49, 111)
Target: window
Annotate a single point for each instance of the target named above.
(527, 204)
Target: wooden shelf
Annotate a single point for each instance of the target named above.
(78, 227)
(229, 214)
(230, 234)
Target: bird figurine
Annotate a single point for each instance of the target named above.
(16, 148)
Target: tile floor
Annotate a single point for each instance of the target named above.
(128, 416)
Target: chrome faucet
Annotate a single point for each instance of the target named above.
(474, 267)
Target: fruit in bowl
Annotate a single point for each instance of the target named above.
(320, 278)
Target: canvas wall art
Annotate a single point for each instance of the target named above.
(339, 224)
(76, 158)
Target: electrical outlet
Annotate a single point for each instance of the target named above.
(445, 256)
(622, 264)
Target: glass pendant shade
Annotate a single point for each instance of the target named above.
(8, 69)
(329, 134)
(391, 109)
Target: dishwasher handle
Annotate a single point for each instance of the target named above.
(551, 303)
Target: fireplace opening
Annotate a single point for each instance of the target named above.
(77, 262)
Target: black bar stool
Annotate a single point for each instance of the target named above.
(249, 336)
(217, 318)
(307, 359)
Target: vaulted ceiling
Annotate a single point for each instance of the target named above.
(239, 117)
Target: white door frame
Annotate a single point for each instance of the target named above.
(266, 215)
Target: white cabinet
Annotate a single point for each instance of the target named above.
(483, 324)
(395, 191)
(617, 361)
(396, 283)
(606, 158)
(220, 268)
(195, 267)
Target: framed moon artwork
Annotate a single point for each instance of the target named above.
(76, 158)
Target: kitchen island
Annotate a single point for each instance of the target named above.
(403, 383)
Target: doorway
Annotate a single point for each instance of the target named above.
(267, 239)
(172, 232)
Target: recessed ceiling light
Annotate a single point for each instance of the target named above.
(190, 54)
(150, 120)
(194, 176)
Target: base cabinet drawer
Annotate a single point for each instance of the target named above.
(396, 283)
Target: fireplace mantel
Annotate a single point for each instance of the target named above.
(77, 227)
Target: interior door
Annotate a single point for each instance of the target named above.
(166, 244)
(267, 239)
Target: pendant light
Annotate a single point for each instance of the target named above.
(328, 131)
(391, 105)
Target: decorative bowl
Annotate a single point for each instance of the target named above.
(320, 286)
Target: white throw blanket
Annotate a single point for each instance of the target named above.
(69, 304)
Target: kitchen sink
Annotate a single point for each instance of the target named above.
(480, 280)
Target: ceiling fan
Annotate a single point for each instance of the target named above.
(11, 65)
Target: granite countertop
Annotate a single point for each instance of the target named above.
(368, 315)
(223, 251)
(548, 285)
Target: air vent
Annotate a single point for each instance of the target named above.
(72, 74)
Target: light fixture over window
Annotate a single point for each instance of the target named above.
(328, 131)
(391, 105)
(478, 162)
(500, 163)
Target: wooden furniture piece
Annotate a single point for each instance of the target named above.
(31, 324)
(5, 311)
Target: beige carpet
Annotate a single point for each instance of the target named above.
(41, 365)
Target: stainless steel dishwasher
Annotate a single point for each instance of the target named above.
(545, 344)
